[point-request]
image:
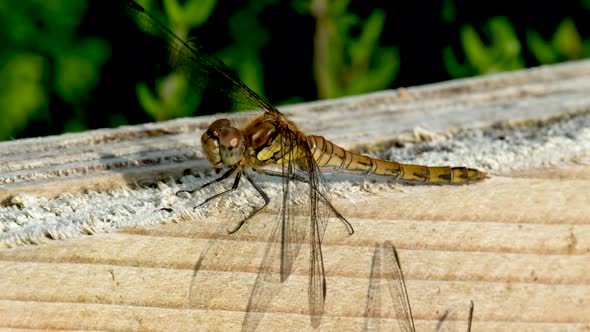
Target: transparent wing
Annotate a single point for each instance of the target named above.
(445, 323)
(297, 224)
(397, 287)
(374, 301)
(470, 317)
(301, 167)
(267, 285)
(319, 214)
(293, 229)
(202, 69)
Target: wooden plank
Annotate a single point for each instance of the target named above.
(107, 158)
(517, 244)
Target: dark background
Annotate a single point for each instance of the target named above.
(76, 65)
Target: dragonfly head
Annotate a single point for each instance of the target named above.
(223, 144)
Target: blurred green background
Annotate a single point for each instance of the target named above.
(59, 68)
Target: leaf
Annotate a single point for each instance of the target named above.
(148, 102)
(77, 68)
(475, 50)
(197, 12)
(22, 93)
(567, 40)
(541, 49)
(361, 51)
(454, 68)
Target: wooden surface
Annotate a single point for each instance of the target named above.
(517, 244)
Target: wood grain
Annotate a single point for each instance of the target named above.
(517, 244)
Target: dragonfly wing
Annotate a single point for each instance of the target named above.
(203, 69)
(397, 287)
(317, 278)
(294, 230)
(320, 211)
(319, 198)
(299, 166)
(373, 305)
(292, 233)
(267, 285)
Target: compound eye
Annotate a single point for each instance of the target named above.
(216, 126)
(231, 146)
(230, 138)
(210, 142)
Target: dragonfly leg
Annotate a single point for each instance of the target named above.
(264, 197)
(219, 179)
(326, 200)
(280, 174)
(233, 187)
(339, 215)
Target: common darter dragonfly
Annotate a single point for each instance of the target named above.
(272, 139)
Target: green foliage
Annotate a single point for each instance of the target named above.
(585, 4)
(174, 97)
(242, 56)
(345, 65)
(22, 92)
(565, 45)
(78, 68)
(41, 55)
(448, 11)
(502, 54)
(194, 14)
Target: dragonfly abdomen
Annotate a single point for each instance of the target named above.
(328, 154)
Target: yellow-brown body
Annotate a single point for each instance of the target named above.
(272, 140)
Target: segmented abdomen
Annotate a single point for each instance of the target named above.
(329, 154)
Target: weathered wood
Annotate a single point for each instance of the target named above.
(517, 244)
(106, 158)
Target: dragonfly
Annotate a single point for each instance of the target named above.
(271, 139)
